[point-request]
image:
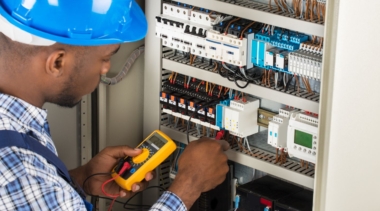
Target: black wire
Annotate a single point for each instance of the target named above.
(288, 83)
(238, 85)
(84, 182)
(140, 206)
(231, 77)
(222, 74)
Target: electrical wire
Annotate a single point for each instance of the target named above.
(238, 85)
(278, 6)
(242, 33)
(228, 26)
(138, 206)
(288, 83)
(127, 66)
(188, 121)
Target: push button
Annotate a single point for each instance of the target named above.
(133, 170)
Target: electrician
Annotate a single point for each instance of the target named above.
(55, 51)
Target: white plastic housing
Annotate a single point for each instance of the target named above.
(176, 11)
(235, 50)
(213, 45)
(306, 64)
(269, 58)
(241, 117)
(226, 48)
(278, 129)
(307, 124)
(280, 60)
(200, 17)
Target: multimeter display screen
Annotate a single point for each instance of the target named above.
(158, 141)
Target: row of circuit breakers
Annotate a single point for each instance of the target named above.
(291, 130)
(238, 42)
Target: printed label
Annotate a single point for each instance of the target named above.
(211, 115)
(172, 102)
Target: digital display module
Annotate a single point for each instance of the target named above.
(303, 139)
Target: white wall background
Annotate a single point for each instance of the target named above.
(348, 177)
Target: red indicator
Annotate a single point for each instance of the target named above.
(266, 202)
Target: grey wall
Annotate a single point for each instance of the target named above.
(65, 133)
(124, 101)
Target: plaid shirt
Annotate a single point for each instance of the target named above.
(27, 180)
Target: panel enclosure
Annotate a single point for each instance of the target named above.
(153, 78)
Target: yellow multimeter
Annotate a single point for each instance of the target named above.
(155, 149)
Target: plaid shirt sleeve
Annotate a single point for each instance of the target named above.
(169, 202)
(28, 183)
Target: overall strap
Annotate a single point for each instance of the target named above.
(9, 138)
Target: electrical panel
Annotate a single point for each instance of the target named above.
(244, 69)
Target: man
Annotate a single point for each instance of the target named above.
(55, 51)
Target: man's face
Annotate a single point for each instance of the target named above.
(84, 74)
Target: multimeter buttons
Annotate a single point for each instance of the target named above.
(141, 157)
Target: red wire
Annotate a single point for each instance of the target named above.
(124, 168)
(107, 194)
(111, 205)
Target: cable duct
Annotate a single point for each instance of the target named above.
(127, 66)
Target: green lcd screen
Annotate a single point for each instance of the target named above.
(303, 139)
(157, 140)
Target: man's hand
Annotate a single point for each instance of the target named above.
(201, 167)
(104, 163)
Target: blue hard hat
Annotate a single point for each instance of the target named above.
(78, 22)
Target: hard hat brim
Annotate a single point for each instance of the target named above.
(135, 31)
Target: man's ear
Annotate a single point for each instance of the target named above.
(55, 63)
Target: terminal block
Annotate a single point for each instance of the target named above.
(313, 48)
(290, 36)
(305, 63)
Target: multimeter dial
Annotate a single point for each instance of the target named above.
(136, 162)
(141, 157)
